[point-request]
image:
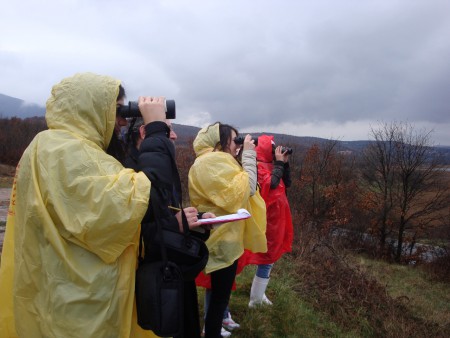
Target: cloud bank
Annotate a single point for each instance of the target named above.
(322, 68)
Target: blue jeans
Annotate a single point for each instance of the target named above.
(263, 270)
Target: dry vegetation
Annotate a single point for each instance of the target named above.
(358, 301)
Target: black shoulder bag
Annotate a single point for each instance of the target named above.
(159, 290)
(161, 274)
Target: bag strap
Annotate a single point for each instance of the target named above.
(158, 225)
(155, 199)
(156, 213)
(177, 184)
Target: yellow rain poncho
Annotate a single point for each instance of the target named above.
(69, 255)
(218, 184)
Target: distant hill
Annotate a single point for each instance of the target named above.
(186, 135)
(13, 107)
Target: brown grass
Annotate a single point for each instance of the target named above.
(355, 300)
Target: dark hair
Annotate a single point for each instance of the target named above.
(225, 131)
(133, 133)
(122, 94)
(117, 148)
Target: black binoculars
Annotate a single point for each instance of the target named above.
(283, 149)
(132, 110)
(240, 140)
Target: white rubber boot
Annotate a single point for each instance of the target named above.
(257, 292)
(266, 300)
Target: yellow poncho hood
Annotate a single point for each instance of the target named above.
(84, 105)
(69, 255)
(218, 184)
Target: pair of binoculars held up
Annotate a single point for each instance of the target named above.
(240, 140)
(286, 150)
(132, 110)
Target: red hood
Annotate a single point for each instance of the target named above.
(264, 149)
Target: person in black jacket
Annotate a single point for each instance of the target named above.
(160, 169)
(152, 151)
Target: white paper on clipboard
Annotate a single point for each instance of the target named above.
(239, 215)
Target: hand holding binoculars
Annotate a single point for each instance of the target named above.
(132, 110)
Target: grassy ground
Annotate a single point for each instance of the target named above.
(412, 286)
(290, 316)
(392, 301)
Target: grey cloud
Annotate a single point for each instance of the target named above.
(300, 62)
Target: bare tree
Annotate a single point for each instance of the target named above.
(378, 174)
(315, 174)
(402, 178)
(420, 195)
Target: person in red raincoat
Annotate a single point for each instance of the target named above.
(273, 178)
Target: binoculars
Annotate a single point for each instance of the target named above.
(283, 150)
(240, 140)
(132, 110)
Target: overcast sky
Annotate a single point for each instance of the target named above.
(330, 69)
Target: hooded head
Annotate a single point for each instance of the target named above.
(264, 149)
(207, 139)
(218, 136)
(85, 105)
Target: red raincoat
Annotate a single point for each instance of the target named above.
(279, 232)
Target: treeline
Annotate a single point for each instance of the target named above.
(382, 200)
(16, 135)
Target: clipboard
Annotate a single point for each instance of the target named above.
(239, 215)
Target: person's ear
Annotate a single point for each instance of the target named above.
(142, 131)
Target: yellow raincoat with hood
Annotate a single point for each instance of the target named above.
(69, 255)
(219, 184)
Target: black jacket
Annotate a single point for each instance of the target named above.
(157, 161)
(157, 155)
(132, 158)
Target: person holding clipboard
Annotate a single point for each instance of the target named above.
(218, 183)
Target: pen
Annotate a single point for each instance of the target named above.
(173, 208)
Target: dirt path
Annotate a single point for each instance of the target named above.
(5, 194)
(4, 204)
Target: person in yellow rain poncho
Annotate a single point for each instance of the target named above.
(219, 184)
(70, 248)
